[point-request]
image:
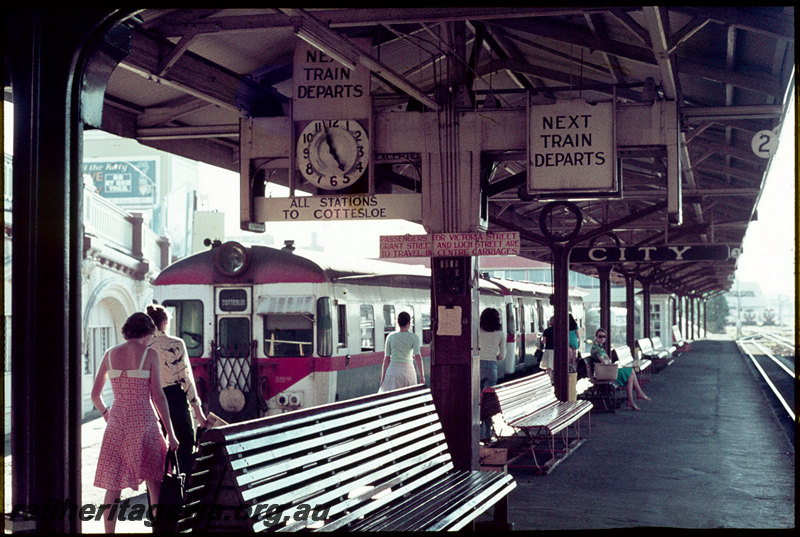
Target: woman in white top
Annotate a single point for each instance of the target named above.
(401, 352)
(491, 349)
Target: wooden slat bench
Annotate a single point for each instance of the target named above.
(658, 346)
(677, 338)
(374, 463)
(624, 357)
(659, 359)
(528, 407)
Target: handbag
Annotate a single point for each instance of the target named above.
(605, 371)
(170, 499)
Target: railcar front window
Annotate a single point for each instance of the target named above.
(288, 335)
(234, 337)
(186, 318)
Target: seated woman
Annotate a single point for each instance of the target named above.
(626, 376)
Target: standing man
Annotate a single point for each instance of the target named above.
(178, 384)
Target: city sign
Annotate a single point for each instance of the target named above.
(450, 244)
(609, 254)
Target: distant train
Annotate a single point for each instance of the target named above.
(269, 330)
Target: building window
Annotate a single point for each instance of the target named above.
(99, 340)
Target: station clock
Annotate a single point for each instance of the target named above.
(333, 154)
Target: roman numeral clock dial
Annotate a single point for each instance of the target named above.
(333, 154)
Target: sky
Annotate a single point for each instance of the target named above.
(768, 250)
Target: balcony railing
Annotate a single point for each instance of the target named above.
(123, 231)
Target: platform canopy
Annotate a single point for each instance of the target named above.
(190, 75)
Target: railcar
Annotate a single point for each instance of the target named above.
(527, 307)
(270, 330)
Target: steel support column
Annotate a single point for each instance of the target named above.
(561, 321)
(46, 72)
(604, 273)
(645, 306)
(630, 328)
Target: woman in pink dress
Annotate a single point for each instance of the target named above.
(133, 449)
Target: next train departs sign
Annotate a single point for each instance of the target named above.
(572, 149)
(610, 254)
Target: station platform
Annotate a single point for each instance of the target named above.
(706, 452)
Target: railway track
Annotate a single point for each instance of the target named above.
(772, 354)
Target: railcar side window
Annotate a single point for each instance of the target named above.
(367, 328)
(341, 311)
(187, 323)
(511, 322)
(389, 320)
(288, 335)
(427, 333)
(324, 327)
(410, 311)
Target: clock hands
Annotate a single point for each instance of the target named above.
(331, 148)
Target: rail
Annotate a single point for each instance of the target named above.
(776, 373)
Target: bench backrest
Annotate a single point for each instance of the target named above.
(623, 354)
(676, 334)
(657, 343)
(330, 462)
(517, 398)
(644, 344)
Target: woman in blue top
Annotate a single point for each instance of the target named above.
(400, 353)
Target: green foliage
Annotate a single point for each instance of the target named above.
(717, 314)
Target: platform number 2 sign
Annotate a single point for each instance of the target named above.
(765, 143)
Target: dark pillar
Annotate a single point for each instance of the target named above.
(630, 332)
(454, 377)
(645, 306)
(705, 319)
(44, 57)
(673, 319)
(604, 272)
(561, 320)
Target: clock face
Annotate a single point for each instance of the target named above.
(333, 154)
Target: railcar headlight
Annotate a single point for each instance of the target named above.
(231, 258)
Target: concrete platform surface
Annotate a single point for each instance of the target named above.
(706, 452)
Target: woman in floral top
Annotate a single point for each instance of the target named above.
(626, 376)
